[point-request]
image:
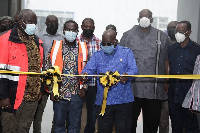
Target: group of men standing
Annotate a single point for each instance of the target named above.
(142, 50)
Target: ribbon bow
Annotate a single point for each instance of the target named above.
(52, 78)
(108, 80)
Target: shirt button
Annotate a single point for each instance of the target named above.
(179, 64)
(181, 56)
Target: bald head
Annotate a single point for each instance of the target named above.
(145, 13)
(51, 18)
(90, 20)
(109, 36)
(26, 13)
(172, 24)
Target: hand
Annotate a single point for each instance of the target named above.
(123, 79)
(54, 98)
(83, 78)
(166, 86)
(40, 95)
(5, 103)
(81, 93)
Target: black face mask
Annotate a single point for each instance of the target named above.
(6, 27)
(88, 32)
(171, 34)
(52, 27)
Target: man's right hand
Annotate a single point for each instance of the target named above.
(5, 103)
(54, 98)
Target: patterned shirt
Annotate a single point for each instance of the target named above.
(144, 48)
(70, 85)
(121, 60)
(93, 46)
(33, 83)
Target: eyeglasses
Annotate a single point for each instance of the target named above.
(107, 43)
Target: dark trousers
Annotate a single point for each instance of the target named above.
(151, 111)
(182, 117)
(120, 114)
(164, 118)
(20, 121)
(39, 113)
(91, 111)
(73, 109)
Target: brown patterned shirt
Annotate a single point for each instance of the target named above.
(33, 83)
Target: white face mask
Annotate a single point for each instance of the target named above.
(70, 36)
(30, 29)
(144, 22)
(180, 37)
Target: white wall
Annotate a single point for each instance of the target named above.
(122, 13)
(190, 10)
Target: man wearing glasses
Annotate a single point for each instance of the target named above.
(69, 103)
(112, 57)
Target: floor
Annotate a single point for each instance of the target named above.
(48, 116)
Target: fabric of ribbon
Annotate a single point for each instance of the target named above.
(108, 80)
(52, 79)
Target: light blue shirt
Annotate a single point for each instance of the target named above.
(121, 60)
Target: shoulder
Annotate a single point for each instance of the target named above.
(162, 33)
(131, 31)
(195, 44)
(124, 49)
(172, 46)
(5, 35)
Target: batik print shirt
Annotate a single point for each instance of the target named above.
(70, 85)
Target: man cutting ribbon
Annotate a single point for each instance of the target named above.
(119, 99)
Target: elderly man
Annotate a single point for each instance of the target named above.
(113, 57)
(48, 36)
(181, 57)
(93, 45)
(20, 50)
(6, 23)
(149, 46)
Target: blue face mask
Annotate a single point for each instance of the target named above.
(30, 29)
(108, 49)
(70, 35)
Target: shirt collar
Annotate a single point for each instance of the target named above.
(14, 37)
(178, 45)
(82, 39)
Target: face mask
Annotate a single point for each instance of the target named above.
(88, 32)
(70, 36)
(171, 34)
(180, 37)
(144, 22)
(30, 29)
(108, 49)
(6, 27)
(52, 27)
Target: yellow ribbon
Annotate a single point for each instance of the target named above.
(108, 80)
(52, 77)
